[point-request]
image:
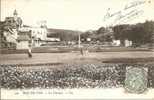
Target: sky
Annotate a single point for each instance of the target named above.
(74, 14)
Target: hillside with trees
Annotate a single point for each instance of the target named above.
(139, 34)
(63, 34)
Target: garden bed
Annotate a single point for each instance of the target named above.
(69, 76)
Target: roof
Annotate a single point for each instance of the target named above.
(24, 31)
(23, 38)
(52, 39)
(12, 18)
(15, 12)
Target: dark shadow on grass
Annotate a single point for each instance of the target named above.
(129, 60)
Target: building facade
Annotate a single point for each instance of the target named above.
(9, 31)
(23, 40)
(22, 36)
(38, 35)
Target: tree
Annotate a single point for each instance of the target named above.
(149, 30)
(137, 34)
(104, 34)
(101, 30)
(140, 33)
(86, 35)
(121, 32)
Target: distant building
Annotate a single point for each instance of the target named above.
(13, 22)
(23, 40)
(53, 39)
(14, 32)
(9, 31)
(128, 43)
(116, 43)
(12, 35)
(88, 39)
(38, 34)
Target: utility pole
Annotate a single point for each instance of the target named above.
(152, 43)
(79, 40)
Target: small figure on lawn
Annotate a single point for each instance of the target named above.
(86, 51)
(30, 52)
(81, 51)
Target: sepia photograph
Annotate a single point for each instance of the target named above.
(76, 49)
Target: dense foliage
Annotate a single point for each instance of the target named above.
(67, 76)
(71, 76)
(140, 33)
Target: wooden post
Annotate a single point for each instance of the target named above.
(79, 40)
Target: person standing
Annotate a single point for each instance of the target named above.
(81, 51)
(30, 51)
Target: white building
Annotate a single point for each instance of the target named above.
(53, 39)
(128, 43)
(116, 42)
(38, 35)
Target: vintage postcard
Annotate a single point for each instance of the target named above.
(77, 49)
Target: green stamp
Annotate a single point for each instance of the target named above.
(136, 80)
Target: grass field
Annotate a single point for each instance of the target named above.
(76, 57)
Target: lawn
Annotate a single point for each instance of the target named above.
(76, 57)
